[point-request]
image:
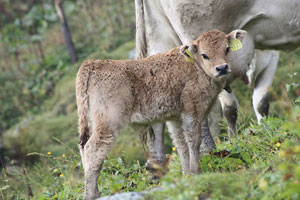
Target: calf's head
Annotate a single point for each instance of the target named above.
(211, 50)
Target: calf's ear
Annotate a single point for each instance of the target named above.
(235, 39)
(236, 34)
(189, 50)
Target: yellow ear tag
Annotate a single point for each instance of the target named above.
(191, 56)
(235, 44)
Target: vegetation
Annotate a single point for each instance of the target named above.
(39, 157)
(262, 163)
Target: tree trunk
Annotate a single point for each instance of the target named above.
(41, 50)
(66, 30)
(89, 9)
(19, 62)
(35, 51)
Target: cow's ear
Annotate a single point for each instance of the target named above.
(236, 34)
(189, 51)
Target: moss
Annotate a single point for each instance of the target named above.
(37, 135)
(121, 52)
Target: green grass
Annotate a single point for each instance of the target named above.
(263, 163)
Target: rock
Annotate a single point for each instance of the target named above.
(125, 196)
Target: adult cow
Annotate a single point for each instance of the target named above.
(164, 24)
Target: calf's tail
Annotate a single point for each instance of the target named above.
(82, 98)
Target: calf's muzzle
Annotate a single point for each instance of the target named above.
(222, 70)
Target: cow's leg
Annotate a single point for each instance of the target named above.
(192, 133)
(156, 144)
(93, 154)
(260, 98)
(230, 111)
(178, 139)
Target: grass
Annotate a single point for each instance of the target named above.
(257, 167)
(262, 163)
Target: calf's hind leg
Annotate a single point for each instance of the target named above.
(93, 154)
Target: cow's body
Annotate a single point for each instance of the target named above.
(271, 24)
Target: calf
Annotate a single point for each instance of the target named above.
(178, 86)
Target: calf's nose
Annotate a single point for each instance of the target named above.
(222, 69)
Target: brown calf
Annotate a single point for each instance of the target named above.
(163, 87)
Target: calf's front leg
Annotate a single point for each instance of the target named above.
(178, 139)
(156, 145)
(192, 133)
(208, 144)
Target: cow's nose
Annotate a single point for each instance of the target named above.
(222, 69)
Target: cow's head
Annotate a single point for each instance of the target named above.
(211, 50)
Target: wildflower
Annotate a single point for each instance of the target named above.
(63, 155)
(49, 153)
(173, 148)
(61, 175)
(262, 184)
(278, 144)
(218, 141)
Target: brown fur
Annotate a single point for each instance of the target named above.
(163, 87)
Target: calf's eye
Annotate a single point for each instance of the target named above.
(205, 56)
(227, 50)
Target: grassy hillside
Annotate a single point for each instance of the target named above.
(58, 119)
(37, 96)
